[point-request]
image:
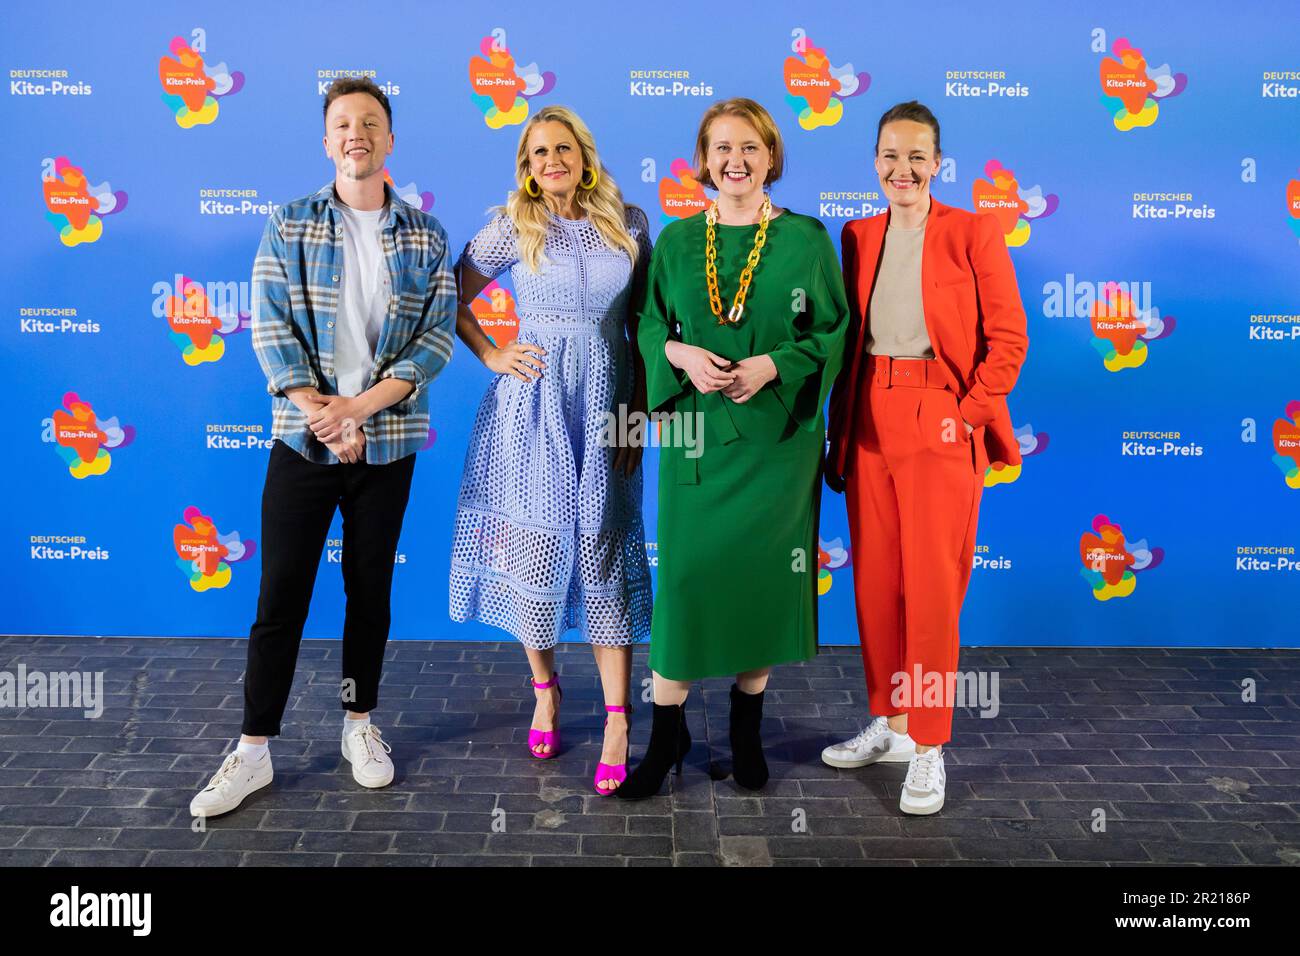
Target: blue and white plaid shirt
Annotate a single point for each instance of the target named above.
(296, 280)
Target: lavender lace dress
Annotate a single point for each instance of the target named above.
(548, 535)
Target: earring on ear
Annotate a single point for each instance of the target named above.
(595, 178)
(530, 185)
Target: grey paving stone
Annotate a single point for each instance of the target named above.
(1157, 738)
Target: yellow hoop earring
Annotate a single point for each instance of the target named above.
(595, 178)
(529, 185)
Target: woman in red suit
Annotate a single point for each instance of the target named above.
(936, 340)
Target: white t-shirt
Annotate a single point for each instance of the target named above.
(363, 298)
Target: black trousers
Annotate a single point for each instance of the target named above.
(298, 503)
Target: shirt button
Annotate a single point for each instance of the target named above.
(334, 278)
(338, 231)
(329, 325)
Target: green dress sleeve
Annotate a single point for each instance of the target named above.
(664, 383)
(808, 364)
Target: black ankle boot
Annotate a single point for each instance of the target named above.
(748, 766)
(669, 742)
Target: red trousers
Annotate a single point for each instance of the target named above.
(913, 501)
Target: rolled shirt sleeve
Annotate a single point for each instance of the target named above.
(429, 349)
(280, 351)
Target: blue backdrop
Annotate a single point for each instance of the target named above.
(1152, 145)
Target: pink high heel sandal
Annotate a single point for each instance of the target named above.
(551, 738)
(618, 771)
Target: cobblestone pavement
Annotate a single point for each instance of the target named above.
(1156, 743)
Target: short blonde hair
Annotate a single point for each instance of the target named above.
(753, 114)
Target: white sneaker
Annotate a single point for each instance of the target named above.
(366, 750)
(875, 744)
(923, 788)
(237, 778)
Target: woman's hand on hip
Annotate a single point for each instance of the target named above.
(520, 359)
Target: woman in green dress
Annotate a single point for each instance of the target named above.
(741, 332)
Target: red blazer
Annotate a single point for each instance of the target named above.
(973, 316)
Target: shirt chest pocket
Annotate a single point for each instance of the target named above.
(411, 257)
(411, 285)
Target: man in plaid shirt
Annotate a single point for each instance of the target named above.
(354, 305)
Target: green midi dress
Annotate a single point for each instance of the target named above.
(738, 512)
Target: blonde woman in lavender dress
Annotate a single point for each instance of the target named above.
(549, 534)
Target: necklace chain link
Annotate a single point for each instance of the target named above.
(746, 277)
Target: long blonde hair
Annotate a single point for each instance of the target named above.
(603, 204)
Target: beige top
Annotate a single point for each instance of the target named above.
(895, 317)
